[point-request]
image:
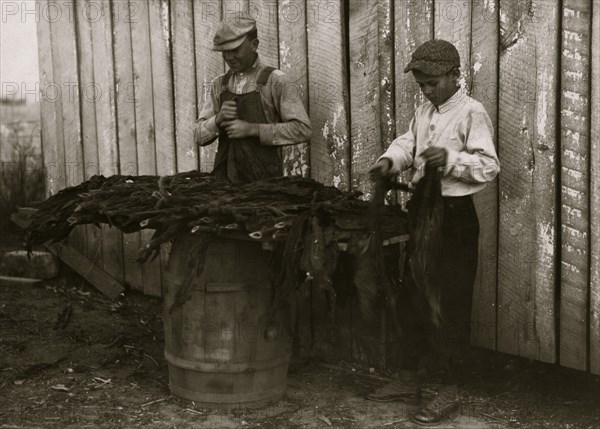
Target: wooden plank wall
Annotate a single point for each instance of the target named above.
(595, 193)
(141, 70)
(528, 83)
(484, 87)
(575, 192)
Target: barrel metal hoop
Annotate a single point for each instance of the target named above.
(227, 368)
(224, 399)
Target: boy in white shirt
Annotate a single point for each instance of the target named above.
(453, 132)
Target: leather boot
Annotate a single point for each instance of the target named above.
(443, 407)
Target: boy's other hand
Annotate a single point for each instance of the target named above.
(238, 129)
(380, 170)
(228, 112)
(435, 156)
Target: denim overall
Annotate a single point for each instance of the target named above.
(246, 160)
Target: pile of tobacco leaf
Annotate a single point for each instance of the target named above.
(303, 218)
(197, 202)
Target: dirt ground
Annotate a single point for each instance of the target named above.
(70, 358)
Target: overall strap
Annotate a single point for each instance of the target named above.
(226, 79)
(264, 76)
(224, 83)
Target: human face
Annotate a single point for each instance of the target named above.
(241, 58)
(437, 89)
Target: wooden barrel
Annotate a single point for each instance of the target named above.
(217, 344)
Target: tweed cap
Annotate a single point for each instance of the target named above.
(435, 58)
(232, 33)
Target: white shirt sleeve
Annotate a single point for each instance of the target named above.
(479, 162)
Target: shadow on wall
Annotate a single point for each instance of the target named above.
(21, 173)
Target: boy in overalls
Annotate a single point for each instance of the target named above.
(452, 132)
(253, 109)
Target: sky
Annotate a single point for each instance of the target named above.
(18, 48)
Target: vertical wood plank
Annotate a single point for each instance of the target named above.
(386, 73)
(527, 150)
(209, 64)
(364, 92)
(108, 151)
(413, 25)
(162, 87)
(164, 109)
(575, 98)
(233, 8)
(595, 194)
(184, 78)
(452, 22)
(544, 186)
(484, 72)
(328, 96)
(293, 62)
(64, 58)
(51, 91)
(145, 126)
(142, 73)
(87, 95)
(123, 14)
(266, 14)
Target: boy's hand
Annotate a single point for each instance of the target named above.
(228, 112)
(380, 170)
(435, 156)
(238, 129)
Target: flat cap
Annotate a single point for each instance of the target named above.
(435, 58)
(232, 32)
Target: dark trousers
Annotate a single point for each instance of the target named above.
(448, 342)
(456, 277)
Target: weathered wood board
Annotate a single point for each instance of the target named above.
(209, 65)
(53, 151)
(484, 88)
(106, 129)
(145, 124)
(365, 106)
(93, 274)
(123, 14)
(66, 77)
(293, 62)
(266, 14)
(387, 107)
(184, 79)
(452, 22)
(87, 97)
(328, 96)
(164, 109)
(574, 175)
(527, 217)
(594, 317)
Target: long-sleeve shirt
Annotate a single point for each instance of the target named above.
(461, 126)
(288, 122)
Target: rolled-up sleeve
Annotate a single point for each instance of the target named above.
(401, 151)
(205, 128)
(479, 162)
(294, 125)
